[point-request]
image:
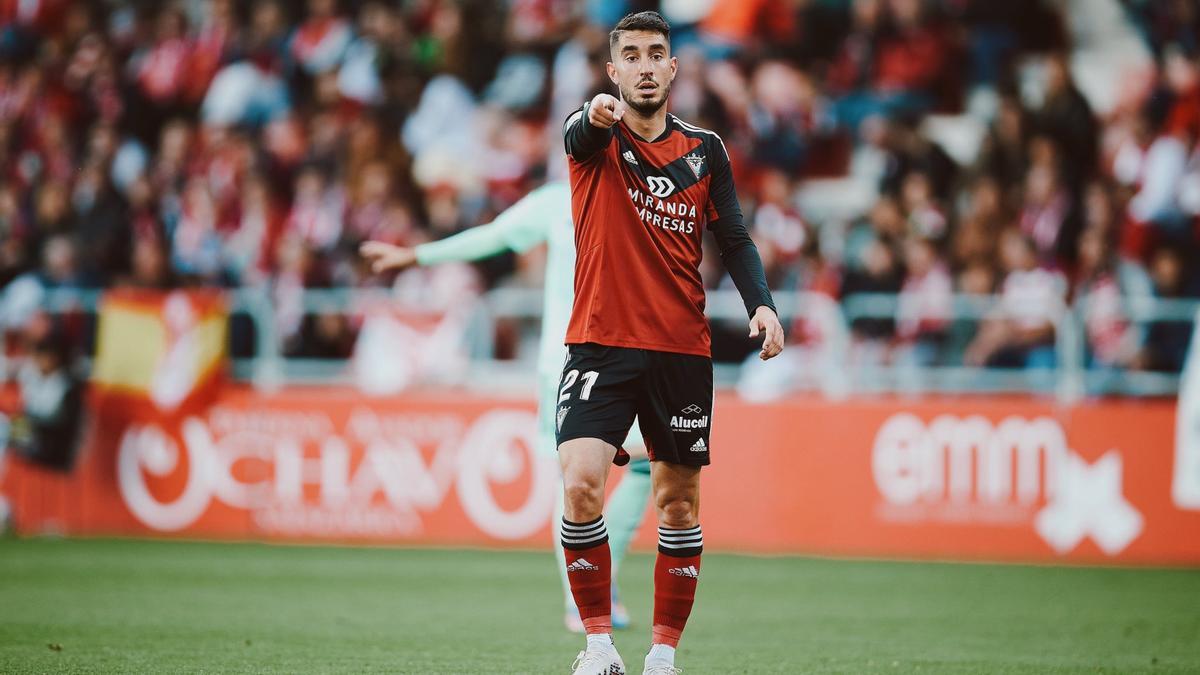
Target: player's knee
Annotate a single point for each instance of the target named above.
(583, 497)
(677, 512)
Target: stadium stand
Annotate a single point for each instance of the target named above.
(914, 154)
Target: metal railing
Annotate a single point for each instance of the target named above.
(834, 371)
(949, 376)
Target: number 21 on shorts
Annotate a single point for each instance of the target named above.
(589, 381)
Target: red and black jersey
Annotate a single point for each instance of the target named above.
(640, 209)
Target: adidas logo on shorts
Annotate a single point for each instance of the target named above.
(690, 572)
(582, 565)
(562, 414)
(699, 446)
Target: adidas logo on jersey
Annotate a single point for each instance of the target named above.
(582, 565)
(699, 446)
(630, 158)
(562, 414)
(690, 572)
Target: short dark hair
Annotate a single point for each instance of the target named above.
(647, 21)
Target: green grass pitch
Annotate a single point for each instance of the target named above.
(104, 606)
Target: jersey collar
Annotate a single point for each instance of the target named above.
(667, 129)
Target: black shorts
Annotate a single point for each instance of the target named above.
(603, 388)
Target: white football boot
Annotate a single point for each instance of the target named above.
(661, 669)
(599, 660)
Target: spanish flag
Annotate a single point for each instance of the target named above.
(159, 355)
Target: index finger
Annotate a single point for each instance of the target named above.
(603, 115)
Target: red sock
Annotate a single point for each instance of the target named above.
(589, 570)
(675, 575)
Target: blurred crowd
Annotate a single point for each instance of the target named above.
(256, 144)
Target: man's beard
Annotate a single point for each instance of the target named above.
(643, 107)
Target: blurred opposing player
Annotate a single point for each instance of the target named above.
(644, 186)
(543, 215)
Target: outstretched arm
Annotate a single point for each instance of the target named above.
(473, 244)
(589, 129)
(518, 228)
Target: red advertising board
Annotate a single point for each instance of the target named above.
(963, 478)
